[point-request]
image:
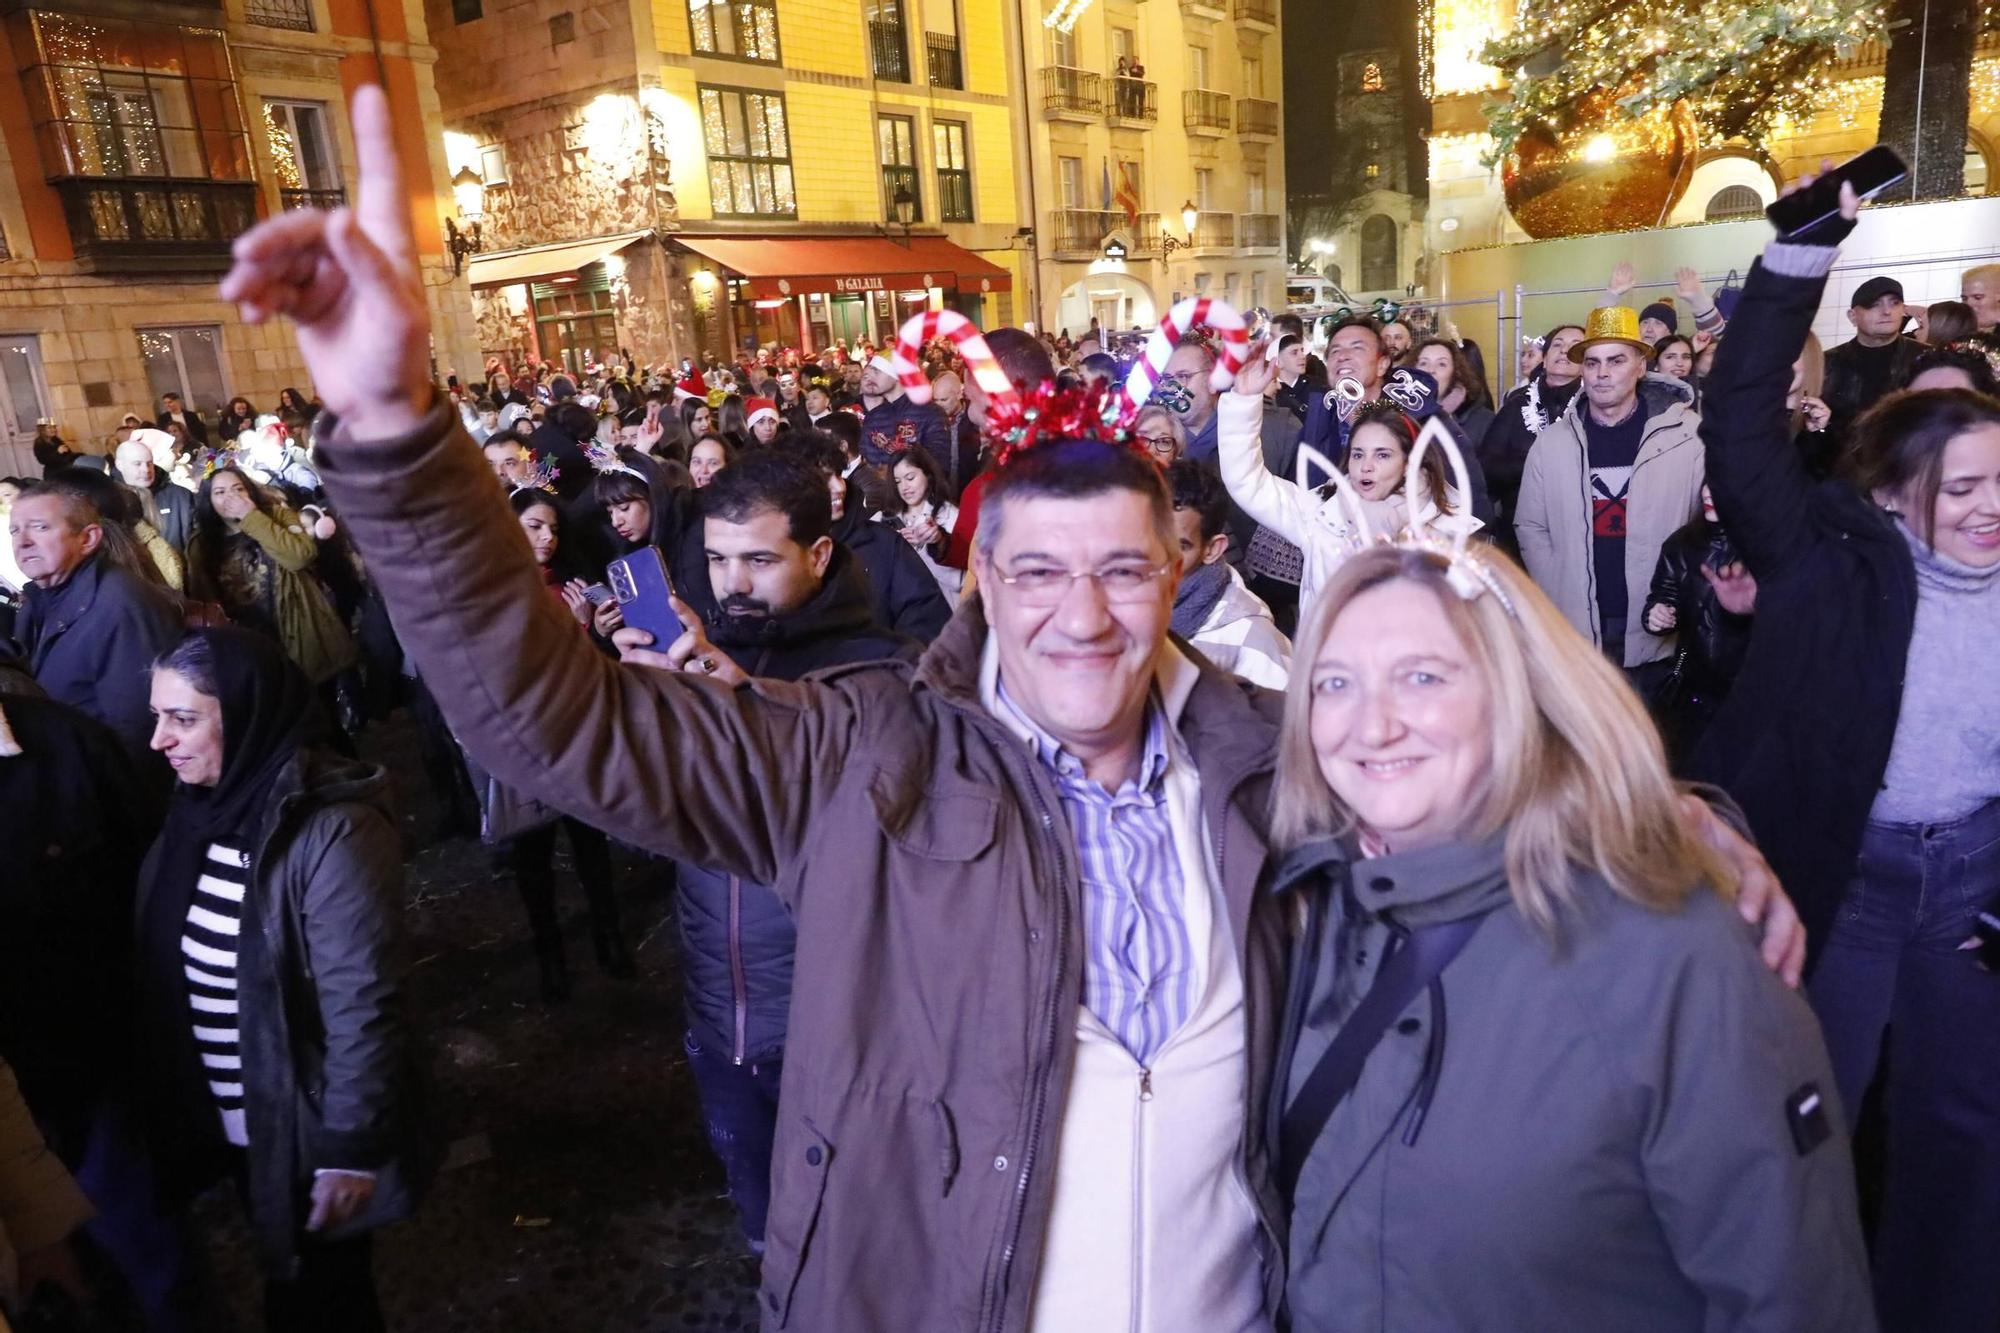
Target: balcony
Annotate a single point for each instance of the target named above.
(1204, 11)
(1214, 231)
(1072, 94)
(294, 14)
(1204, 112)
(1080, 232)
(1256, 118)
(1257, 14)
(889, 45)
(954, 195)
(942, 60)
(1262, 231)
(328, 199)
(1134, 101)
(155, 224)
(1146, 237)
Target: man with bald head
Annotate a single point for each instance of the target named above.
(167, 506)
(1980, 289)
(961, 457)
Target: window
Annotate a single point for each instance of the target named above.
(1976, 173)
(1257, 290)
(493, 164)
(186, 360)
(1253, 191)
(749, 153)
(23, 388)
(465, 11)
(1371, 78)
(1197, 67)
(1733, 201)
(1378, 253)
(131, 99)
(303, 153)
(1069, 174)
(888, 41)
(744, 29)
(896, 147)
(954, 171)
(574, 323)
(1062, 48)
(1124, 46)
(1204, 188)
(1229, 283)
(1253, 77)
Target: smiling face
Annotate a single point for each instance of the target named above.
(1966, 517)
(1080, 668)
(187, 729)
(1435, 361)
(1401, 717)
(1191, 367)
(1355, 353)
(539, 523)
(631, 519)
(911, 483)
(1677, 360)
(705, 460)
(1375, 460)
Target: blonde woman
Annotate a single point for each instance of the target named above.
(1602, 1111)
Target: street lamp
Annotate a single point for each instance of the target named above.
(904, 205)
(469, 189)
(1170, 242)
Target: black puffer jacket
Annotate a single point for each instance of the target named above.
(902, 591)
(737, 939)
(1714, 639)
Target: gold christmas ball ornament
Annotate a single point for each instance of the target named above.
(1599, 168)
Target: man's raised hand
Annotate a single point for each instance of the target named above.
(349, 281)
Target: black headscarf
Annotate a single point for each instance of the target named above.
(268, 713)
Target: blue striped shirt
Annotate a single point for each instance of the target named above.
(1139, 974)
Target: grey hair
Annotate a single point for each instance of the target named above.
(193, 660)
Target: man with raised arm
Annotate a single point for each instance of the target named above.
(1033, 1014)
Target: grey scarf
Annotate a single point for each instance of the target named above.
(1199, 593)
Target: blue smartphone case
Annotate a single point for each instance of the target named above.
(639, 582)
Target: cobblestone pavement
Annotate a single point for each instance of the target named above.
(581, 1195)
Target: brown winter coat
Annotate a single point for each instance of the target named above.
(919, 846)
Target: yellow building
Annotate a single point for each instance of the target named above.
(1150, 187)
(139, 138)
(679, 175)
(1729, 180)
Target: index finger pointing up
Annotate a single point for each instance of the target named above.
(381, 206)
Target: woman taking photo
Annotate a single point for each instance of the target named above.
(919, 512)
(1573, 1097)
(531, 853)
(1460, 389)
(272, 970)
(253, 555)
(1860, 741)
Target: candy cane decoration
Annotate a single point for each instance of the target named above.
(1192, 313)
(964, 336)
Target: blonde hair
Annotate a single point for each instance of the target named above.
(1578, 776)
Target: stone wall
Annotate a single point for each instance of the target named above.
(574, 170)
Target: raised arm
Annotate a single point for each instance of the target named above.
(727, 778)
(1756, 474)
(1277, 503)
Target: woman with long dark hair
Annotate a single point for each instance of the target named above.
(1860, 740)
(917, 504)
(272, 967)
(253, 555)
(292, 402)
(236, 418)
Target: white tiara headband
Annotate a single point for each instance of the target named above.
(1466, 571)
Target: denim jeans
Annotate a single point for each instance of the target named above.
(1892, 963)
(739, 1106)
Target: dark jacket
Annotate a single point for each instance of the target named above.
(1804, 739)
(1503, 450)
(901, 589)
(176, 506)
(1590, 1136)
(737, 939)
(56, 457)
(938, 971)
(75, 819)
(337, 1080)
(1842, 388)
(894, 424)
(1713, 639)
(965, 456)
(91, 642)
(197, 429)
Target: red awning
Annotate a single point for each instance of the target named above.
(778, 266)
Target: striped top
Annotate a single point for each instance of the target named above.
(1139, 973)
(208, 959)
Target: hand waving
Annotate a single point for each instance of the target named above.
(349, 281)
(1257, 373)
(1623, 277)
(1735, 587)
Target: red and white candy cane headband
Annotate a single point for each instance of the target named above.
(963, 335)
(1193, 313)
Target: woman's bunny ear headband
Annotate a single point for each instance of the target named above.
(1467, 571)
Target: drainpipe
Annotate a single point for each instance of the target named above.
(1027, 141)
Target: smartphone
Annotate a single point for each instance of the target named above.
(1870, 173)
(597, 594)
(639, 582)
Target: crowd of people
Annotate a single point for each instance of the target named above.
(1084, 821)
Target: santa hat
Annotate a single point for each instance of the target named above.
(755, 409)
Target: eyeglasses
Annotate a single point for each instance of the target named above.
(1047, 585)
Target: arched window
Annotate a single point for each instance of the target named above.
(1378, 253)
(1978, 172)
(1371, 78)
(1732, 202)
